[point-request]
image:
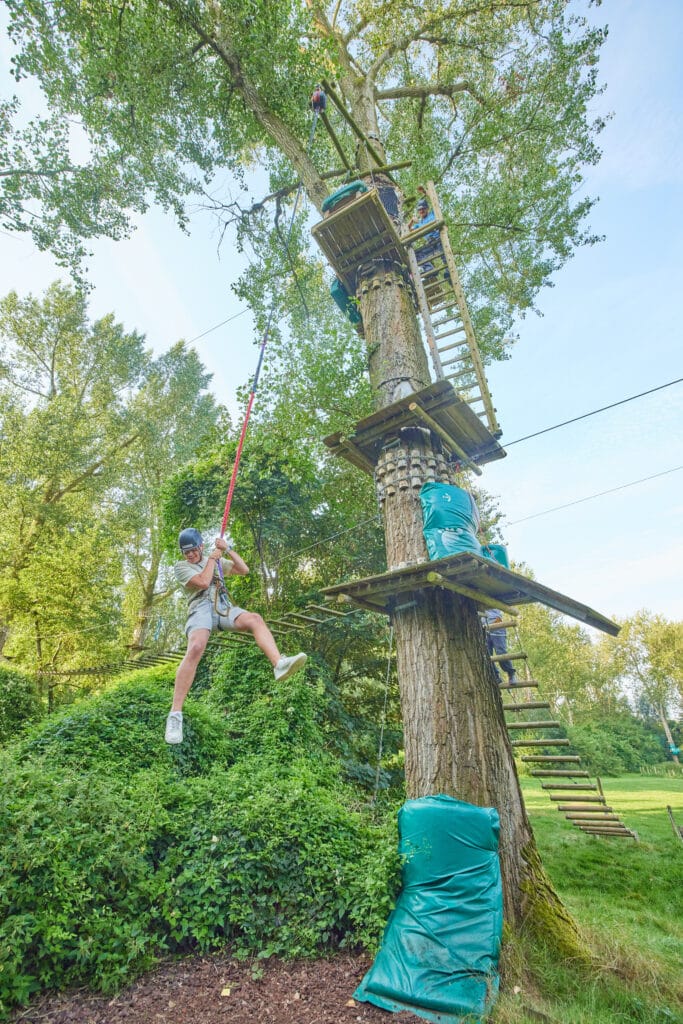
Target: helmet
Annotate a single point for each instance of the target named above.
(423, 204)
(188, 539)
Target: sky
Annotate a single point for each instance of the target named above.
(609, 330)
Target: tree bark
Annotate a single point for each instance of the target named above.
(661, 712)
(456, 741)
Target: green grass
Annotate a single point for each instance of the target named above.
(626, 898)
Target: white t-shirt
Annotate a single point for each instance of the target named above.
(184, 571)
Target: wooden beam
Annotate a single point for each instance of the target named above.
(444, 435)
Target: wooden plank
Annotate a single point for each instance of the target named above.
(488, 580)
(546, 774)
(533, 725)
(532, 705)
(441, 402)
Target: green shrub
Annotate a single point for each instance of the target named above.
(615, 746)
(114, 846)
(19, 702)
(122, 730)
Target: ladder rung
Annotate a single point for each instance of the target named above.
(532, 705)
(568, 785)
(449, 334)
(533, 725)
(541, 742)
(517, 656)
(453, 344)
(581, 807)
(585, 799)
(518, 685)
(547, 758)
(606, 819)
(548, 774)
(447, 320)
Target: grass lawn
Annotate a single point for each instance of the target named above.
(627, 897)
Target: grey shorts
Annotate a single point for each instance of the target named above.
(203, 616)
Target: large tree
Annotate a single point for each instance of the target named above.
(651, 653)
(490, 100)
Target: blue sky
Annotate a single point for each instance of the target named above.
(610, 329)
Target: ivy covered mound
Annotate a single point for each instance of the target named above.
(116, 849)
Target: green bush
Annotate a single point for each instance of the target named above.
(115, 847)
(19, 702)
(616, 746)
(122, 731)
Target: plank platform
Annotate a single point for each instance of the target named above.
(457, 424)
(488, 583)
(359, 231)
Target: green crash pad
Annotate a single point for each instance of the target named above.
(343, 195)
(450, 520)
(439, 953)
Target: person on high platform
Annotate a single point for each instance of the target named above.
(430, 244)
(496, 643)
(209, 608)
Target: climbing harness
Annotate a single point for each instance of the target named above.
(266, 334)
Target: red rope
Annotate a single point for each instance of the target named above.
(238, 456)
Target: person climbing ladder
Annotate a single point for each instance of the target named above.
(209, 608)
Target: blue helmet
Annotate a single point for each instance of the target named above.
(188, 539)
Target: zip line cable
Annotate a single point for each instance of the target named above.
(594, 412)
(599, 494)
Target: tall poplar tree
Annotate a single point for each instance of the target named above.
(488, 99)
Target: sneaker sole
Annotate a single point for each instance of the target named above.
(292, 669)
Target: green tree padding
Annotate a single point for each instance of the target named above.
(439, 954)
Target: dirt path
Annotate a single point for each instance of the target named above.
(218, 990)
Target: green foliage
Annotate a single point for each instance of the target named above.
(115, 847)
(614, 746)
(118, 731)
(493, 101)
(19, 702)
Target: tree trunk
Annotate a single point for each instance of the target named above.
(456, 741)
(661, 712)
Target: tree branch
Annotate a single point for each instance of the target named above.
(423, 91)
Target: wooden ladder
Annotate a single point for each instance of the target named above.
(447, 325)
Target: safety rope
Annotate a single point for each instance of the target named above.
(316, 107)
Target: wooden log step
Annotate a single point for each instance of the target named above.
(533, 725)
(503, 624)
(531, 705)
(591, 814)
(519, 684)
(541, 774)
(516, 656)
(541, 743)
(449, 334)
(453, 344)
(616, 832)
(545, 758)
(568, 785)
(450, 318)
(609, 820)
(581, 807)
(586, 799)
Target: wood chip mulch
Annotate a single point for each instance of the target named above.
(219, 990)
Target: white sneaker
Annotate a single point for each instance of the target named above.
(174, 727)
(286, 667)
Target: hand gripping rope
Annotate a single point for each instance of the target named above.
(317, 104)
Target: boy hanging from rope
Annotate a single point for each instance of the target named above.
(209, 608)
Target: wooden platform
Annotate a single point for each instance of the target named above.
(490, 585)
(458, 427)
(361, 230)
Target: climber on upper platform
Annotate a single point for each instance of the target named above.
(210, 608)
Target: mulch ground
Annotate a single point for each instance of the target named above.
(219, 990)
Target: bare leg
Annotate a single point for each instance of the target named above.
(184, 677)
(251, 622)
